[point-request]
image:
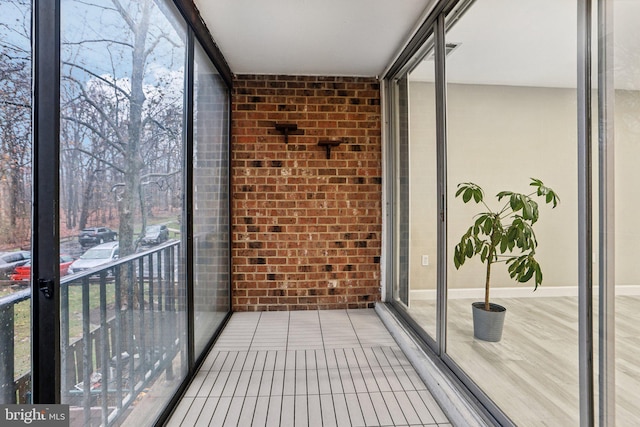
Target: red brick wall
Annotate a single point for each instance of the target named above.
(306, 229)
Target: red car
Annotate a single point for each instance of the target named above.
(23, 272)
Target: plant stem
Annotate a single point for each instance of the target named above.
(492, 251)
(487, 281)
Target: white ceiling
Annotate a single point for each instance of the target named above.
(535, 44)
(311, 37)
(528, 43)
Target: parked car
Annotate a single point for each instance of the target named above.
(95, 257)
(96, 236)
(23, 272)
(155, 234)
(10, 260)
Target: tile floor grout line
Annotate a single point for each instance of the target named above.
(316, 359)
(367, 388)
(259, 386)
(317, 377)
(255, 330)
(187, 412)
(341, 386)
(244, 397)
(426, 404)
(354, 387)
(281, 391)
(261, 371)
(391, 391)
(354, 329)
(284, 373)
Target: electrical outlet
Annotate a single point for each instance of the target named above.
(425, 259)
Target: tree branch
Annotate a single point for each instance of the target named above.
(97, 76)
(127, 18)
(90, 154)
(96, 131)
(98, 41)
(15, 104)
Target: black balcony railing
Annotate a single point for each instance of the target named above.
(121, 329)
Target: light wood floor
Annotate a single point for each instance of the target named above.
(532, 374)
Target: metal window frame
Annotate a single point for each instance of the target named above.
(187, 208)
(606, 241)
(45, 304)
(201, 33)
(585, 216)
(441, 158)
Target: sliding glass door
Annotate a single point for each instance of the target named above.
(16, 145)
(113, 157)
(549, 92)
(619, 126)
(417, 210)
(511, 116)
(121, 203)
(210, 200)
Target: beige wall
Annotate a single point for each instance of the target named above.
(499, 137)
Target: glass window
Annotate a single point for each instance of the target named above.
(511, 116)
(418, 208)
(15, 200)
(123, 318)
(210, 199)
(625, 113)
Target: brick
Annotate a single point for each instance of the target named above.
(306, 230)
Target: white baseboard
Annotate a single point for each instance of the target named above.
(520, 292)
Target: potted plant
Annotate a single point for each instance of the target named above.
(504, 235)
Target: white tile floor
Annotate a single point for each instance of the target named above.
(307, 368)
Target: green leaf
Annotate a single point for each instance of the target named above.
(503, 194)
(469, 250)
(468, 193)
(527, 276)
(516, 202)
(485, 252)
(536, 182)
(488, 225)
(538, 276)
(504, 244)
(527, 212)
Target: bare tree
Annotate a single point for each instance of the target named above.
(15, 122)
(130, 105)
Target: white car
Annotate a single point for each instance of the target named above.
(95, 257)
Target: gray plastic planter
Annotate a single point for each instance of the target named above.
(487, 325)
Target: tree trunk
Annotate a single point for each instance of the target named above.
(133, 161)
(86, 201)
(488, 280)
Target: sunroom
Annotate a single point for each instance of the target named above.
(178, 176)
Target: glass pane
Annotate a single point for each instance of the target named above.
(511, 105)
(15, 200)
(418, 193)
(123, 319)
(626, 116)
(210, 199)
